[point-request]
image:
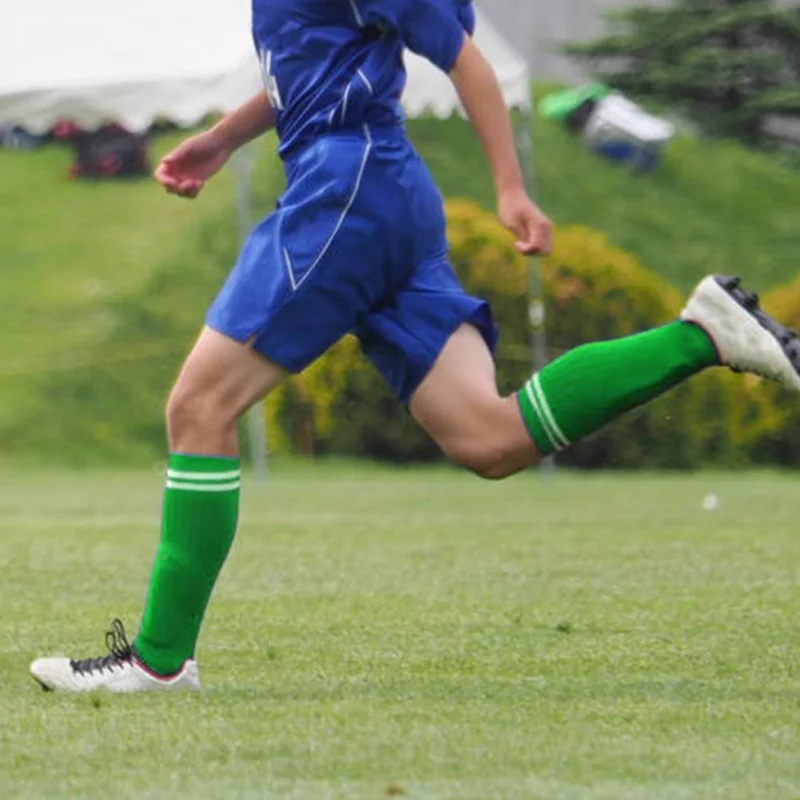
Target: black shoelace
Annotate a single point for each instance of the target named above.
(119, 652)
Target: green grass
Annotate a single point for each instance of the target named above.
(591, 637)
(68, 247)
(73, 253)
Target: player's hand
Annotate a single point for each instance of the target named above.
(532, 229)
(185, 170)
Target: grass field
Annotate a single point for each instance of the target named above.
(380, 631)
(71, 246)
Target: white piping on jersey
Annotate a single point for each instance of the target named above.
(270, 84)
(357, 14)
(344, 102)
(366, 81)
(297, 284)
(287, 258)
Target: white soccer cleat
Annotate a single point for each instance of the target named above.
(745, 337)
(119, 671)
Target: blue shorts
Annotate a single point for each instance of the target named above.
(357, 244)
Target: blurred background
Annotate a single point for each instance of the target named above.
(662, 140)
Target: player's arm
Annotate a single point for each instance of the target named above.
(248, 122)
(439, 30)
(482, 98)
(185, 170)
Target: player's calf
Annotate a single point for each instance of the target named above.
(493, 443)
(460, 408)
(482, 458)
(587, 388)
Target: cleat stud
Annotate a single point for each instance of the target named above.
(750, 301)
(730, 282)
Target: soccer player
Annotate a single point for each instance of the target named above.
(357, 244)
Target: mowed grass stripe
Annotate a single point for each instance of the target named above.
(586, 637)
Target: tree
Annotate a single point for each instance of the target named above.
(729, 65)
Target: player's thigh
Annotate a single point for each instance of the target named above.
(458, 404)
(221, 378)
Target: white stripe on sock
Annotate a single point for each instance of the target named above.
(207, 487)
(538, 391)
(204, 476)
(536, 410)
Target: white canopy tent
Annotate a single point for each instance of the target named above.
(94, 62)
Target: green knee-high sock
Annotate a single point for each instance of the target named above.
(201, 508)
(585, 389)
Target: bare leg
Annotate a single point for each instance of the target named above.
(585, 389)
(459, 406)
(219, 381)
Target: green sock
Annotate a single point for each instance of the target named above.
(587, 388)
(201, 508)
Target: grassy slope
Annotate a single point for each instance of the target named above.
(69, 245)
(711, 206)
(404, 627)
(70, 250)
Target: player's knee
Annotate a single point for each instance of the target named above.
(190, 414)
(483, 458)
(181, 413)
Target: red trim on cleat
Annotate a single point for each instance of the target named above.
(157, 675)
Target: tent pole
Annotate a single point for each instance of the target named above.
(242, 164)
(537, 316)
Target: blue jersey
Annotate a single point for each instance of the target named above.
(337, 65)
(357, 242)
